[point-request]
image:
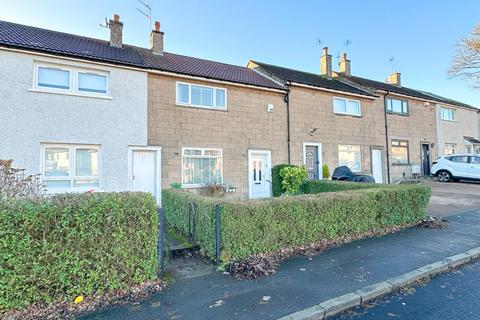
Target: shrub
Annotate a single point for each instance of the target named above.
(325, 172)
(14, 183)
(293, 178)
(57, 248)
(250, 227)
(320, 186)
(277, 180)
(212, 190)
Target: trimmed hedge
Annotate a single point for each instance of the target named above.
(57, 248)
(320, 186)
(277, 188)
(250, 227)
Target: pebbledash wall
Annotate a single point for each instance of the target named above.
(313, 109)
(245, 124)
(30, 118)
(466, 123)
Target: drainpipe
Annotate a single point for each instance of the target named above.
(387, 150)
(286, 98)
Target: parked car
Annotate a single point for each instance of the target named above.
(457, 167)
(344, 173)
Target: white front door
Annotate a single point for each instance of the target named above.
(259, 174)
(145, 171)
(377, 165)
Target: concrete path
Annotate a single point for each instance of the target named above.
(453, 295)
(302, 282)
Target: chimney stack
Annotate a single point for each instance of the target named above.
(326, 64)
(156, 39)
(344, 65)
(394, 79)
(116, 28)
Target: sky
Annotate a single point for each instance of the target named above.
(420, 35)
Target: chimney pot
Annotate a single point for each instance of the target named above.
(156, 39)
(326, 64)
(116, 31)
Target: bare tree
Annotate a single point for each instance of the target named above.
(466, 64)
(14, 183)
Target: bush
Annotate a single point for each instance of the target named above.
(293, 179)
(277, 180)
(14, 183)
(57, 248)
(320, 186)
(325, 172)
(250, 227)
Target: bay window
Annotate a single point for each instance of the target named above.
(201, 166)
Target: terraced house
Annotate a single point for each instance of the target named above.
(89, 114)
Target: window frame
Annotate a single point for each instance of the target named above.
(74, 72)
(72, 148)
(452, 145)
(359, 151)
(346, 103)
(198, 185)
(453, 113)
(214, 96)
(389, 99)
(399, 146)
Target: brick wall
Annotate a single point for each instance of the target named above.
(246, 125)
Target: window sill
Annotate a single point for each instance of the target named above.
(398, 114)
(401, 164)
(348, 115)
(70, 93)
(72, 190)
(200, 107)
(446, 120)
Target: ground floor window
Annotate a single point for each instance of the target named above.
(477, 150)
(70, 166)
(201, 166)
(400, 152)
(450, 148)
(350, 156)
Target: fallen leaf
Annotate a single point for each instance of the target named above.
(217, 303)
(392, 315)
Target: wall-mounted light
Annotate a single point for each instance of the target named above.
(311, 132)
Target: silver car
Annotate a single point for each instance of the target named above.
(457, 167)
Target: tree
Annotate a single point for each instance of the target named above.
(466, 64)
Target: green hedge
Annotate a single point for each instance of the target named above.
(260, 226)
(58, 248)
(319, 186)
(277, 188)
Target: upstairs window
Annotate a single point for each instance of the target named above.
(201, 96)
(346, 106)
(447, 114)
(397, 106)
(56, 78)
(92, 82)
(71, 80)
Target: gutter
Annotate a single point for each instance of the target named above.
(332, 90)
(286, 98)
(387, 149)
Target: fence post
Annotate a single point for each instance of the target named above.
(161, 237)
(217, 233)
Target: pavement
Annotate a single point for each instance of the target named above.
(303, 282)
(453, 197)
(452, 295)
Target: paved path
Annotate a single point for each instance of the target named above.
(452, 295)
(301, 282)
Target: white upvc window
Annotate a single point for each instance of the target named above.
(70, 167)
(201, 96)
(447, 114)
(450, 148)
(201, 166)
(350, 156)
(347, 106)
(71, 80)
(399, 106)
